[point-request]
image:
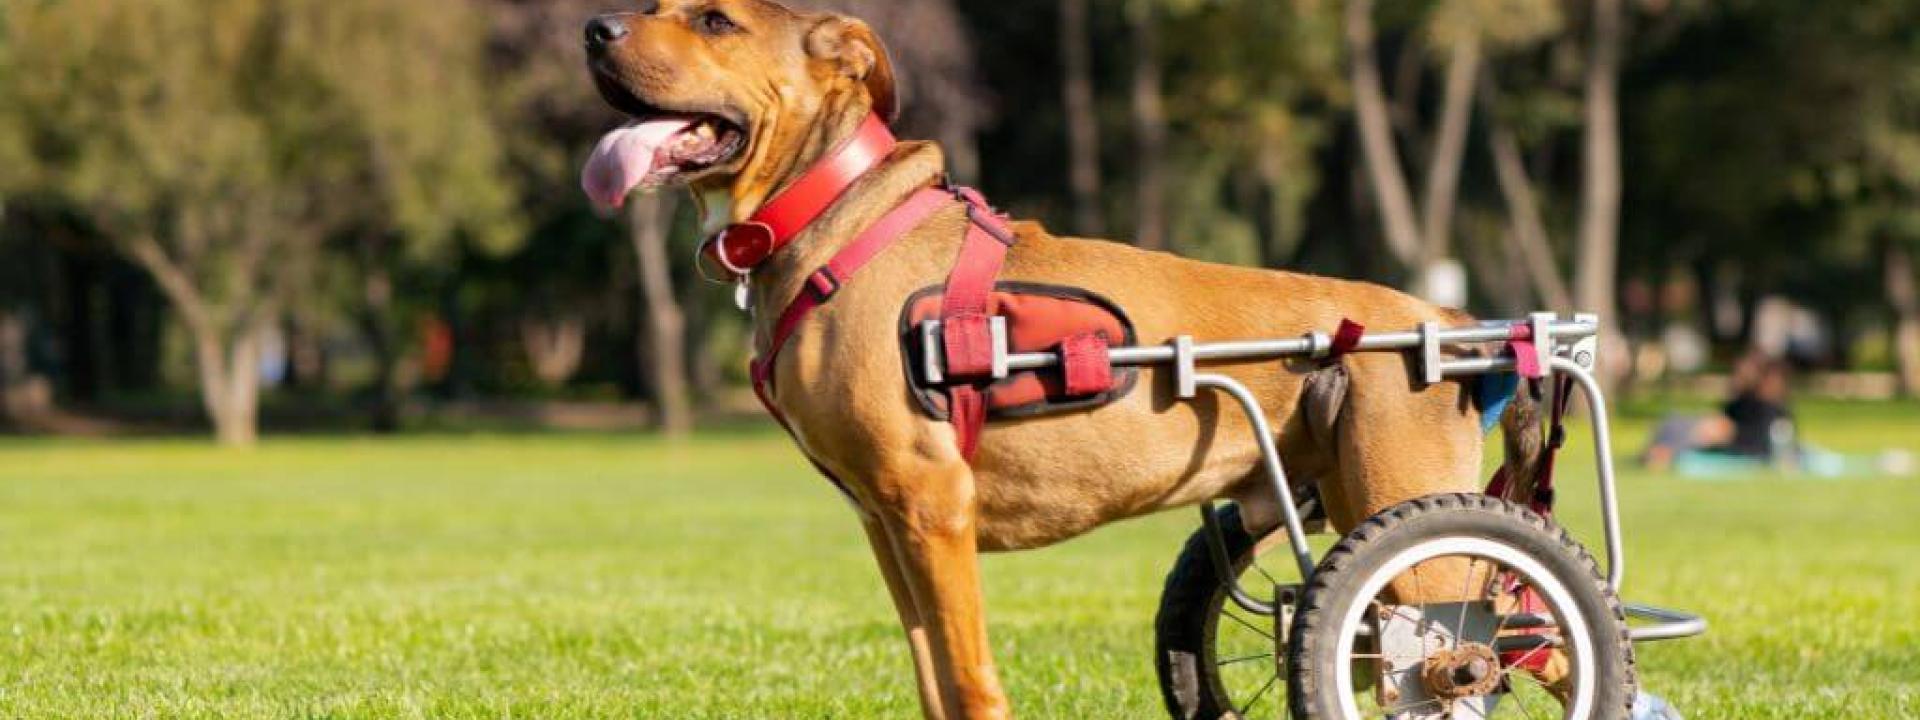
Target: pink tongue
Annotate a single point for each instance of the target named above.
(624, 158)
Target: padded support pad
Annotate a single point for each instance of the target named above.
(1040, 318)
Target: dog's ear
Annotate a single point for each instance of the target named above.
(861, 56)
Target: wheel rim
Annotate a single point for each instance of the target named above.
(1570, 625)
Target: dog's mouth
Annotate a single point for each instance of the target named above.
(659, 147)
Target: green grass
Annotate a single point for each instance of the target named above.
(598, 576)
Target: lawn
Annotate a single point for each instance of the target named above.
(544, 576)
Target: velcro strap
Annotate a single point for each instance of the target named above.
(1498, 486)
(1345, 339)
(1085, 362)
(968, 338)
(967, 410)
(1526, 362)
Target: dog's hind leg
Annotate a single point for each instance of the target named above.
(1397, 441)
(930, 515)
(910, 620)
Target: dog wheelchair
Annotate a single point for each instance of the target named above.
(1530, 627)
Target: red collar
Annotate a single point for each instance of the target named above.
(743, 246)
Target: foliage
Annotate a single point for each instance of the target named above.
(292, 156)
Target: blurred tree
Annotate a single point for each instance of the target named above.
(545, 92)
(1083, 119)
(940, 93)
(1780, 142)
(1249, 100)
(221, 164)
(396, 115)
(1461, 33)
(1149, 125)
(663, 355)
(1598, 272)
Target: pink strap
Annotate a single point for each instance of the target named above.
(1087, 365)
(967, 410)
(1345, 339)
(965, 331)
(825, 282)
(1526, 361)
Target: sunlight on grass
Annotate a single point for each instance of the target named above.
(606, 576)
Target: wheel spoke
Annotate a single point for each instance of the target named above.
(1460, 630)
(1262, 693)
(1516, 665)
(1410, 706)
(1521, 699)
(1262, 569)
(1246, 658)
(1244, 623)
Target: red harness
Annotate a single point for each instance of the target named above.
(966, 326)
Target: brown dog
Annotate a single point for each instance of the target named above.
(755, 93)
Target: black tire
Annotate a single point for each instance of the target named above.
(1191, 684)
(1367, 549)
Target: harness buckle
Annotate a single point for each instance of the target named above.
(823, 284)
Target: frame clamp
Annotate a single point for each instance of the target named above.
(933, 356)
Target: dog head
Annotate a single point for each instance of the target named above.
(726, 94)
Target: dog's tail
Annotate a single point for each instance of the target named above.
(1525, 446)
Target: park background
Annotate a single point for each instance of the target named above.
(324, 393)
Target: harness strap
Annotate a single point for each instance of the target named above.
(825, 282)
(1556, 439)
(965, 330)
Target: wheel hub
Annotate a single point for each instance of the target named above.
(1468, 670)
(1433, 663)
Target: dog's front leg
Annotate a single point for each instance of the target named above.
(910, 620)
(930, 514)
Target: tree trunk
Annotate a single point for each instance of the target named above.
(664, 354)
(1372, 119)
(236, 412)
(1150, 127)
(23, 395)
(376, 325)
(1083, 124)
(1600, 188)
(1449, 151)
(229, 367)
(1526, 230)
(1595, 274)
(1905, 299)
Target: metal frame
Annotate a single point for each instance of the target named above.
(1568, 348)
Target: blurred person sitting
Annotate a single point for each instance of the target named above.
(1743, 426)
(1756, 428)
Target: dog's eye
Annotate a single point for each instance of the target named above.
(714, 22)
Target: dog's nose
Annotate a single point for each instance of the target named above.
(605, 30)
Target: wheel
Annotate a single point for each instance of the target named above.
(1214, 658)
(1532, 631)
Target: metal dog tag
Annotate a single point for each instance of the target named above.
(743, 297)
